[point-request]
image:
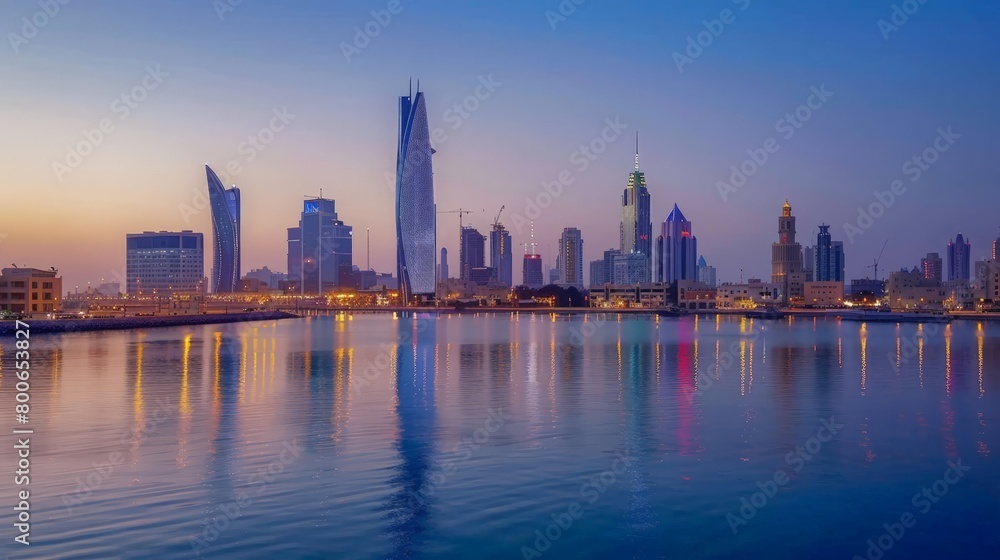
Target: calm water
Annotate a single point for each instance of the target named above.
(460, 437)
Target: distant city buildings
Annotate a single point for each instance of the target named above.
(30, 290)
(416, 216)
(809, 262)
(272, 280)
(501, 257)
(442, 272)
(482, 275)
(602, 270)
(629, 268)
(786, 257)
(598, 273)
(829, 266)
(959, 258)
(570, 259)
(471, 252)
(909, 291)
(319, 249)
(636, 228)
(677, 249)
(531, 271)
(706, 273)
(554, 275)
(932, 267)
(867, 291)
(988, 282)
(225, 205)
(164, 263)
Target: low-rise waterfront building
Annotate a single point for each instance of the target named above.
(824, 294)
(751, 295)
(645, 295)
(695, 295)
(910, 291)
(30, 290)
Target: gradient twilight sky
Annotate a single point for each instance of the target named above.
(556, 88)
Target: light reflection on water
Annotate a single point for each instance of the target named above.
(355, 436)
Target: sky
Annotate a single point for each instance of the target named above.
(315, 85)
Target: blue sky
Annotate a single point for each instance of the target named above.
(554, 90)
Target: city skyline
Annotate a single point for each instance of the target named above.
(691, 139)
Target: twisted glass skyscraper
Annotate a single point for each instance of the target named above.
(225, 204)
(416, 233)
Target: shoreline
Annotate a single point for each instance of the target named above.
(58, 326)
(62, 326)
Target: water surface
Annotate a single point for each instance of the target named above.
(491, 436)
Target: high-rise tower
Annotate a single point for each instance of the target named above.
(320, 249)
(501, 259)
(636, 230)
(570, 260)
(829, 255)
(786, 254)
(959, 258)
(416, 226)
(531, 267)
(679, 253)
(225, 204)
(471, 253)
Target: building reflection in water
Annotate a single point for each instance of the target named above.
(863, 333)
(224, 429)
(184, 405)
(980, 337)
(135, 358)
(408, 507)
(947, 360)
(325, 363)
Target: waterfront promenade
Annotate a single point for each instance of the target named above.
(42, 326)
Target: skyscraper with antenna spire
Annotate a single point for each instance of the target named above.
(636, 231)
(531, 271)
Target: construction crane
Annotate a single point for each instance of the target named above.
(876, 261)
(496, 221)
(461, 213)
